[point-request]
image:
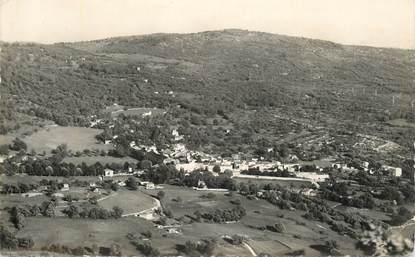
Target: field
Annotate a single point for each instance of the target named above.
(36, 179)
(128, 200)
(183, 202)
(73, 232)
(89, 160)
(116, 110)
(301, 233)
(76, 138)
(284, 183)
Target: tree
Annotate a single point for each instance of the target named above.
(145, 164)
(401, 216)
(277, 227)
(116, 212)
(72, 211)
(48, 209)
(4, 149)
(146, 248)
(25, 242)
(332, 247)
(132, 183)
(216, 168)
(7, 239)
(18, 145)
(161, 194)
(20, 220)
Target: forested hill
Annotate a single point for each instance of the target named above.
(209, 72)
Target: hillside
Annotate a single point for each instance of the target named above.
(209, 73)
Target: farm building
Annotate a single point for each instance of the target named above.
(313, 176)
(65, 187)
(108, 173)
(393, 171)
(150, 186)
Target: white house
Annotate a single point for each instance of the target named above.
(146, 114)
(393, 171)
(2, 158)
(313, 176)
(308, 192)
(108, 173)
(65, 187)
(150, 186)
(201, 184)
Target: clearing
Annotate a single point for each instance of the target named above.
(76, 138)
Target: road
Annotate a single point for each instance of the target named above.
(247, 246)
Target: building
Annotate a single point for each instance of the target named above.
(121, 183)
(201, 184)
(308, 192)
(392, 171)
(108, 173)
(313, 176)
(65, 187)
(150, 186)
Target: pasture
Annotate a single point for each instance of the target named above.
(89, 160)
(128, 200)
(76, 138)
(300, 232)
(84, 232)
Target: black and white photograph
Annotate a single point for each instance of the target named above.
(207, 128)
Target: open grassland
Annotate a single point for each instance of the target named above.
(36, 179)
(19, 200)
(76, 138)
(285, 183)
(89, 160)
(128, 200)
(76, 232)
(300, 233)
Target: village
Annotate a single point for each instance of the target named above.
(219, 143)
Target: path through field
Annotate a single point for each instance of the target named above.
(157, 205)
(250, 249)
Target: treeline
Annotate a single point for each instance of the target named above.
(95, 212)
(225, 215)
(9, 241)
(46, 167)
(18, 214)
(277, 173)
(113, 250)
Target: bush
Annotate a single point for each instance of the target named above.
(277, 227)
(146, 248)
(25, 242)
(160, 194)
(18, 145)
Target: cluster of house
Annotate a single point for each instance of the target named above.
(390, 170)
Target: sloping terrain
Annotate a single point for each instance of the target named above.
(209, 73)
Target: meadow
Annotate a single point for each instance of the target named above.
(76, 138)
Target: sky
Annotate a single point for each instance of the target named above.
(380, 23)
